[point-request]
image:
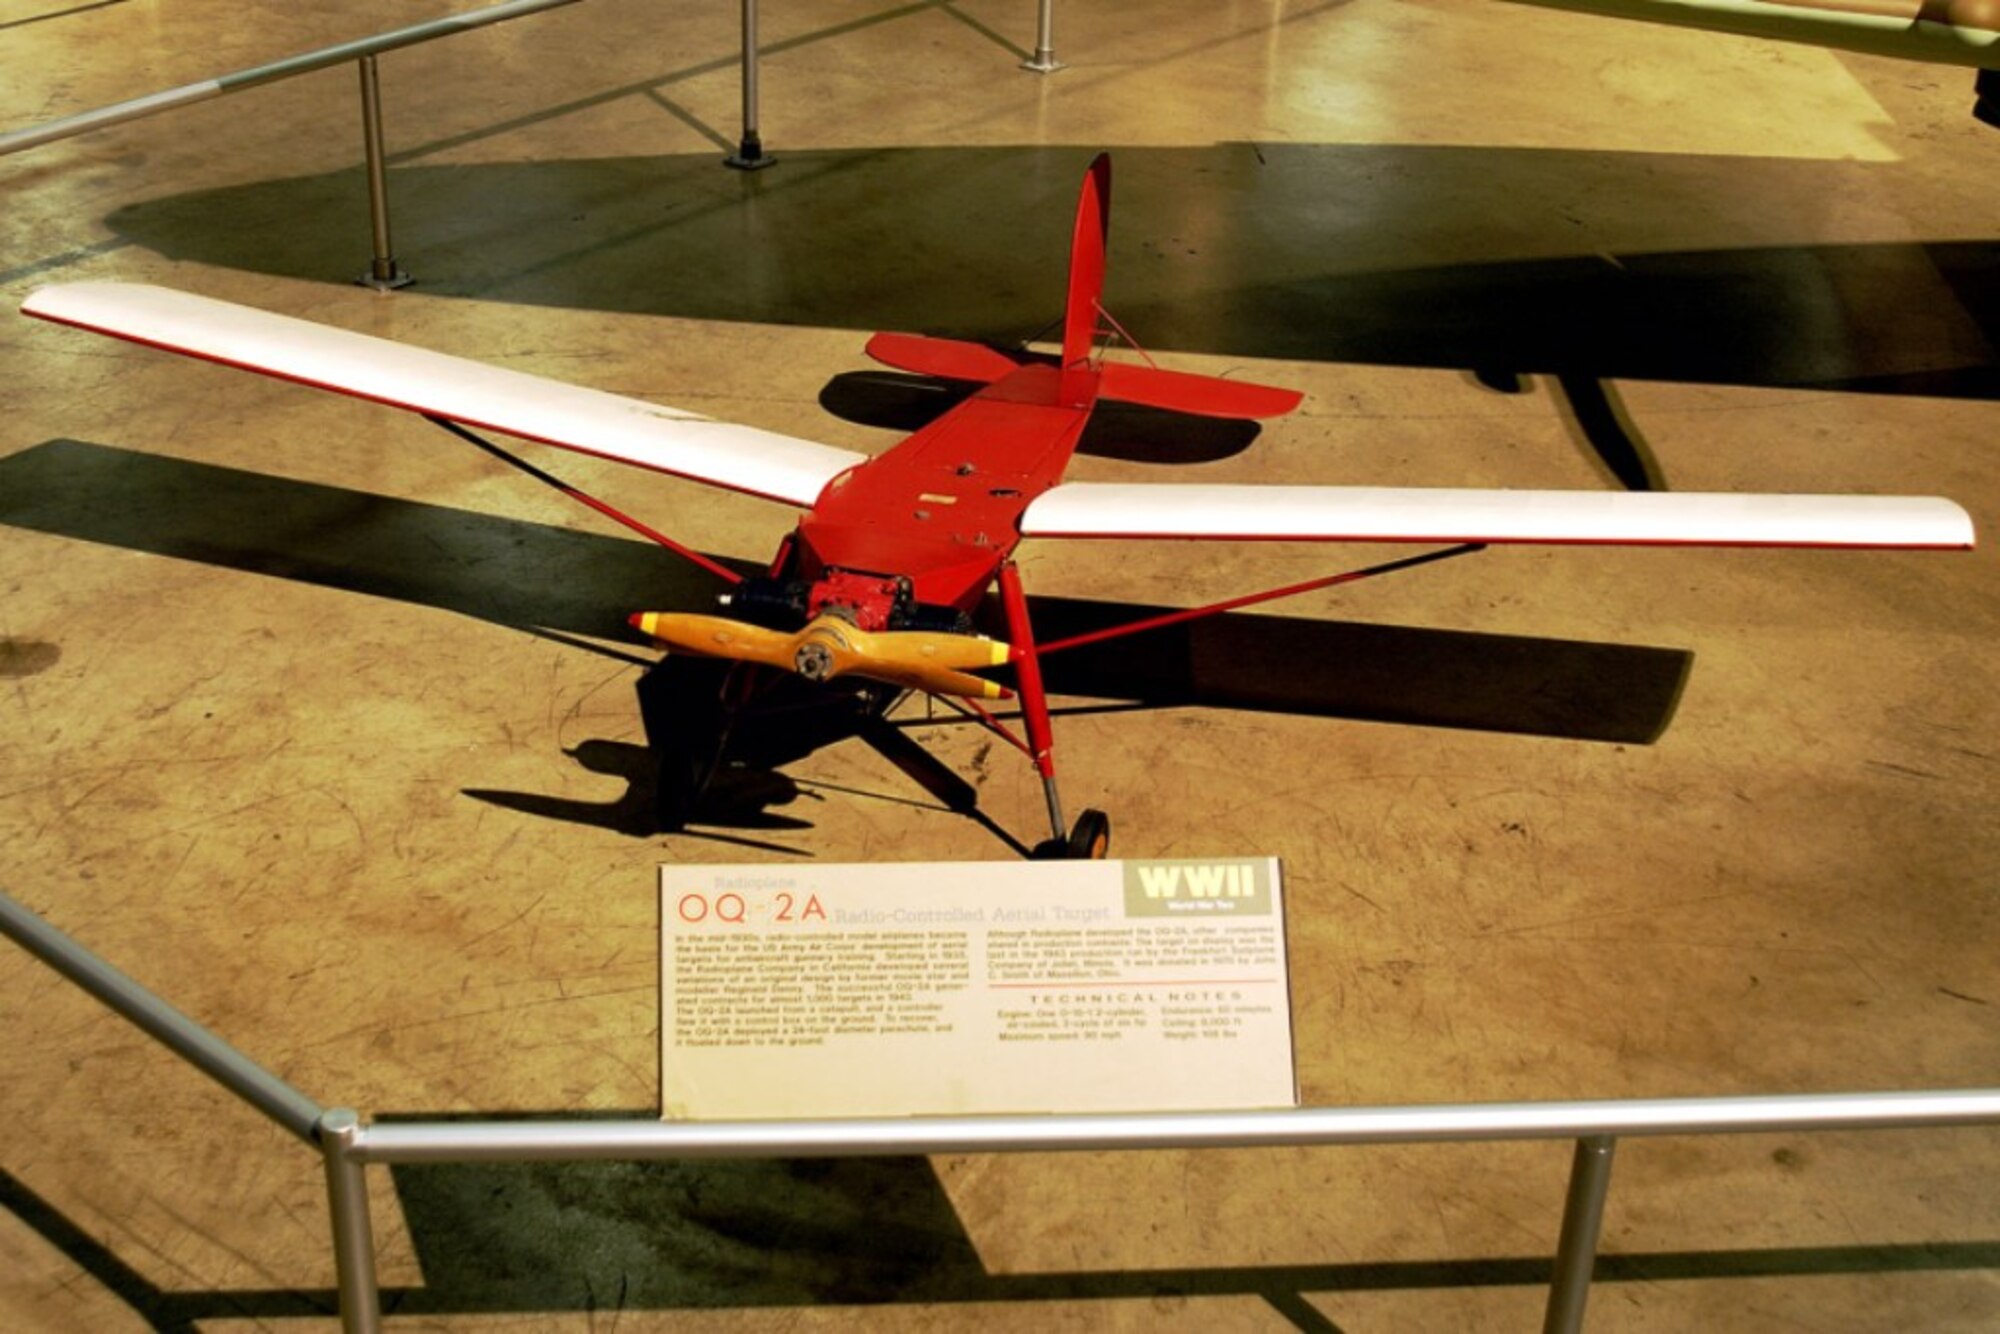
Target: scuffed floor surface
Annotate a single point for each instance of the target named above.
(323, 725)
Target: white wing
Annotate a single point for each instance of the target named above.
(741, 458)
(1387, 514)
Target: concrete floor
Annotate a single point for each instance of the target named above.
(323, 726)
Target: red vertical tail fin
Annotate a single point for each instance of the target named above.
(1086, 262)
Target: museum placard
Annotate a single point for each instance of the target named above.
(973, 987)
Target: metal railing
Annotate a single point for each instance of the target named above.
(1044, 60)
(323, 58)
(349, 1146)
(384, 273)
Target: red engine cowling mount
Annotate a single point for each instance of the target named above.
(871, 601)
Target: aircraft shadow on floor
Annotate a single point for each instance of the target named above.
(1302, 251)
(497, 570)
(494, 1239)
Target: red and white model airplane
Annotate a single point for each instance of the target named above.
(876, 587)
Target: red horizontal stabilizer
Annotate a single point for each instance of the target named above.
(1206, 395)
(946, 358)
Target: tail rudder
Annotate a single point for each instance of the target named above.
(1086, 262)
(1176, 391)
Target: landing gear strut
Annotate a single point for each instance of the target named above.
(685, 730)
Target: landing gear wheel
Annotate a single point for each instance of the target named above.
(1089, 840)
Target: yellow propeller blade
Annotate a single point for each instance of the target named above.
(830, 647)
(717, 637)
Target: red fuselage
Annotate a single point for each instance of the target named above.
(944, 506)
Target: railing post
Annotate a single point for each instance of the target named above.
(1576, 1252)
(384, 273)
(353, 1234)
(1044, 60)
(749, 154)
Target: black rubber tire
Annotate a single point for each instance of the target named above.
(1090, 838)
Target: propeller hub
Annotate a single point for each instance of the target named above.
(814, 661)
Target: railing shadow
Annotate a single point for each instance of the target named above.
(761, 1234)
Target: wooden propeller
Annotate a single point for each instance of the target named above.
(829, 647)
